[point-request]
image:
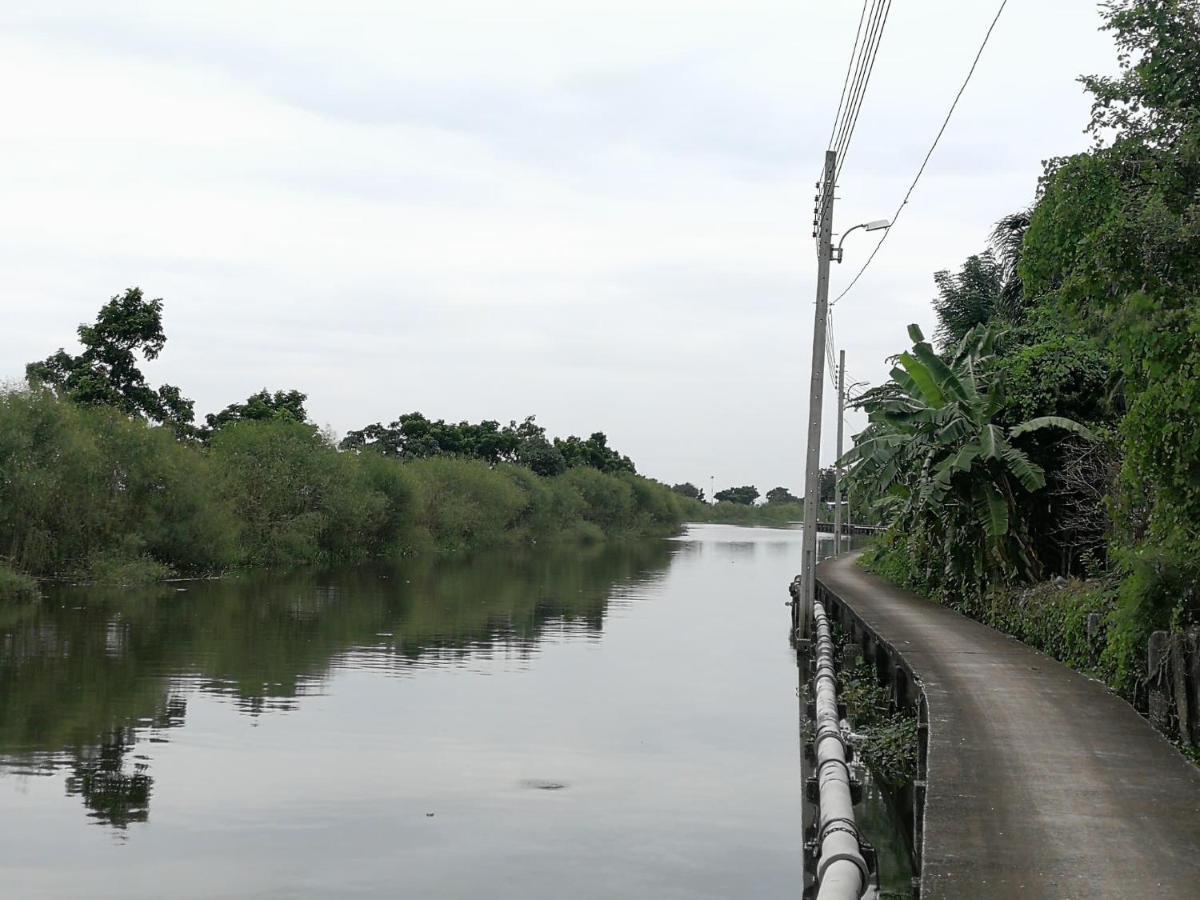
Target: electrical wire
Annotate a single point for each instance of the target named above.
(862, 63)
(846, 80)
(859, 72)
(845, 150)
(925, 162)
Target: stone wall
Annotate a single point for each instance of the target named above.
(1170, 694)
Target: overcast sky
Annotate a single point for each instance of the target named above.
(595, 212)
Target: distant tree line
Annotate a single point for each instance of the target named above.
(108, 478)
(747, 494)
(412, 436)
(107, 373)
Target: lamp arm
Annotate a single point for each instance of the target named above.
(836, 255)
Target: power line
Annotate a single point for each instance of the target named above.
(863, 89)
(846, 80)
(859, 72)
(862, 64)
(925, 162)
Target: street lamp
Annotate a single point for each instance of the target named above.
(876, 225)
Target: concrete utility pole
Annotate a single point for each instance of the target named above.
(812, 479)
(837, 469)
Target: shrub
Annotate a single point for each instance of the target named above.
(78, 484)
(464, 503)
(16, 585)
(608, 501)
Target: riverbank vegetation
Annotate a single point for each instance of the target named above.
(89, 492)
(1052, 436)
(104, 478)
(885, 738)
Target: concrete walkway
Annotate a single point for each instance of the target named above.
(1041, 783)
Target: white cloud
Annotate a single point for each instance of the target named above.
(596, 212)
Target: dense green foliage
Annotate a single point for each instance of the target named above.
(689, 490)
(744, 495)
(17, 585)
(412, 436)
(261, 407)
(107, 373)
(104, 478)
(782, 495)
(774, 514)
(89, 491)
(969, 298)
(1097, 320)
(960, 483)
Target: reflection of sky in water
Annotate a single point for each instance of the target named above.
(251, 738)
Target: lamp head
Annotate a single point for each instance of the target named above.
(877, 224)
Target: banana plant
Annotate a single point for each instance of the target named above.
(932, 443)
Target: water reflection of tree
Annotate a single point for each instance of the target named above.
(115, 793)
(86, 673)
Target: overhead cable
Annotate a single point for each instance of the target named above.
(925, 162)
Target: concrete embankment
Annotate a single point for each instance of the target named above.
(1037, 781)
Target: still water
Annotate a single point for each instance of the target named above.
(620, 721)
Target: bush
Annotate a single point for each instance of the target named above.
(464, 503)
(282, 480)
(84, 484)
(608, 501)
(16, 585)
(92, 493)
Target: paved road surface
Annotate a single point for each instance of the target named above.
(1041, 783)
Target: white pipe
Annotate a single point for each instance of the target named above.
(842, 872)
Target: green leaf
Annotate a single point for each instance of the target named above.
(905, 381)
(947, 381)
(991, 441)
(992, 510)
(927, 385)
(1052, 422)
(914, 333)
(1028, 473)
(954, 431)
(966, 457)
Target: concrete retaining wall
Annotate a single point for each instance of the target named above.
(1170, 694)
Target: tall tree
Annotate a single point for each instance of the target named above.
(262, 407)
(1007, 243)
(967, 298)
(744, 495)
(593, 452)
(107, 372)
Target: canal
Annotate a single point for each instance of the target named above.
(615, 721)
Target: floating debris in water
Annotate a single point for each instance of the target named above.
(538, 784)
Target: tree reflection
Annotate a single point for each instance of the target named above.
(114, 793)
(87, 673)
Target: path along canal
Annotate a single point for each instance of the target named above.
(614, 721)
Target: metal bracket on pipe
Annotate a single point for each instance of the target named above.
(812, 790)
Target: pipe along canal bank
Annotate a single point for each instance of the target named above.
(1032, 780)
